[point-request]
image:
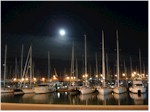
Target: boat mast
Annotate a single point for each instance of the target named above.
(117, 57)
(5, 65)
(131, 66)
(48, 65)
(85, 59)
(107, 68)
(140, 61)
(96, 65)
(103, 58)
(144, 69)
(16, 68)
(125, 70)
(76, 68)
(72, 63)
(22, 60)
(30, 65)
(26, 65)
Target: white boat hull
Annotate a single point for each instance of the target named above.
(119, 90)
(86, 90)
(137, 89)
(18, 92)
(137, 97)
(43, 89)
(104, 90)
(7, 90)
(28, 90)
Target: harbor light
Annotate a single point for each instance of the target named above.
(133, 75)
(15, 79)
(86, 75)
(34, 79)
(83, 76)
(123, 74)
(67, 78)
(101, 75)
(71, 77)
(26, 79)
(22, 79)
(43, 79)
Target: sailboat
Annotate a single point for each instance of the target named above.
(118, 89)
(29, 88)
(86, 89)
(48, 86)
(4, 89)
(72, 88)
(104, 89)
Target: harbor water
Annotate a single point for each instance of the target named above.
(66, 99)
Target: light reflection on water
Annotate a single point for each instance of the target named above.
(88, 99)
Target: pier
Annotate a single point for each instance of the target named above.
(16, 106)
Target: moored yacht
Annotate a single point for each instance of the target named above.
(6, 90)
(44, 88)
(18, 91)
(28, 90)
(137, 87)
(86, 89)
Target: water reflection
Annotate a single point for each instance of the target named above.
(105, 98)
(43, 98)
(5, 96)
(27, 98)
(121, 98)
(138, 99)
(74, 99)
(87, 98)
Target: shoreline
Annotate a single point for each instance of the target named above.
(16, 106)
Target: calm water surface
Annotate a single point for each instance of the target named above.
(89, 99)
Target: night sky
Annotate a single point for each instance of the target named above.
(38, 23)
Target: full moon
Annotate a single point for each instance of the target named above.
(62, 32)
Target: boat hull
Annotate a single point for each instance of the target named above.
(43, 89)
(86, 90)
(18, 92)
(104, 90)
(6, 90)
(28, 90)
(137, 89)
(119, 90)
(74, 92)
